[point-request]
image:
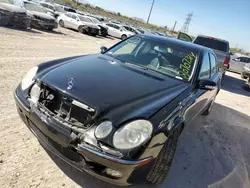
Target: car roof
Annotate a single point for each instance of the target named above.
(174, 41)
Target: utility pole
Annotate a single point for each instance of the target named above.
(174, 26)
(151, 10)
(186, 24)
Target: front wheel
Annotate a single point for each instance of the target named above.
(61, 23)
(243, 77)
(163, 162)
(124, 37)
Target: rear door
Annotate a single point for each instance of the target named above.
(67, 20)
(75, 22)
(184, 37)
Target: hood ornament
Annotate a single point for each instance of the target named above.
(71, 83)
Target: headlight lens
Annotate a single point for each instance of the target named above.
(28, 78)
(132, 134)
(103, 129)
(35, 93)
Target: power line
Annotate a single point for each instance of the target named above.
(150, 10)
(186, 24)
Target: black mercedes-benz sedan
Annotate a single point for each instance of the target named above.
(118, 115)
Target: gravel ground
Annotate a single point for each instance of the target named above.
(213, 152)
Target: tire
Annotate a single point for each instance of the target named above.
(123, 37)
(163, 162)
(61, 23)
(82, 29)
(209, 108)
(243, 77)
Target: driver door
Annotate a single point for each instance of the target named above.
(184, 37)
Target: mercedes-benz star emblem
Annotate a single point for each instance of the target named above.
(71, 83)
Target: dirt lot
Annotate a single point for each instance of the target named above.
(213, 152)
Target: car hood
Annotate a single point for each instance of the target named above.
(42, 15)
(12, 8)
(116, 90)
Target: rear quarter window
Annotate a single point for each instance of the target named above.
(212, 43)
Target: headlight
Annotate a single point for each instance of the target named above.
(103, 129)
(132, 134)
(28, 78)
(35, 93)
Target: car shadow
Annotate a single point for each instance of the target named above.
(235, 85)
(213, 151)
(24, 30)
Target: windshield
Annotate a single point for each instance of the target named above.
(212, 43)
(60, 9)
(84, 19)
(95, 20)
(34, 7)
(174, 61)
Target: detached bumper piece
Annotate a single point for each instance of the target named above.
(62, 143)
(92, 31)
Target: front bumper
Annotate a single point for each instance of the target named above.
(15, 20)
(81, 156)
(35, 23)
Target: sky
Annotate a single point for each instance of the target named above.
(225, 19)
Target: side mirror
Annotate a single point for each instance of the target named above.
(120, 29)
(77, 19)
(207, 85)
(103, 49)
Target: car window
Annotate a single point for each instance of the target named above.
(205, 67)
(212, 43)
(116, 26)
(68, 15)
(159, 56)
(110, 25)
(73, 16)
(51, 7)
(214, 66)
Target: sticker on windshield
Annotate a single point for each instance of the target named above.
(186, 65)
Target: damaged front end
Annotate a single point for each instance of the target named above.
(67, 127)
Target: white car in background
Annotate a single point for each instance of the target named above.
(78, 22)
(101, 25)
(118, 31)
(131, 29)
(237, 64)
(49, 8)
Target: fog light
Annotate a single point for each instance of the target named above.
(113, 173)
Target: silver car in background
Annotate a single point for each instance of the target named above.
(40, 18)
(13, 15)
(237, 64)
(78, 22)
(118, 31)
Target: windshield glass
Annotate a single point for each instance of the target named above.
(60, 9)
(212, 43)
(95, 20)
(174, 61)
(34, 7)
(85, 19)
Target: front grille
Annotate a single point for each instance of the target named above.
(65, 108)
